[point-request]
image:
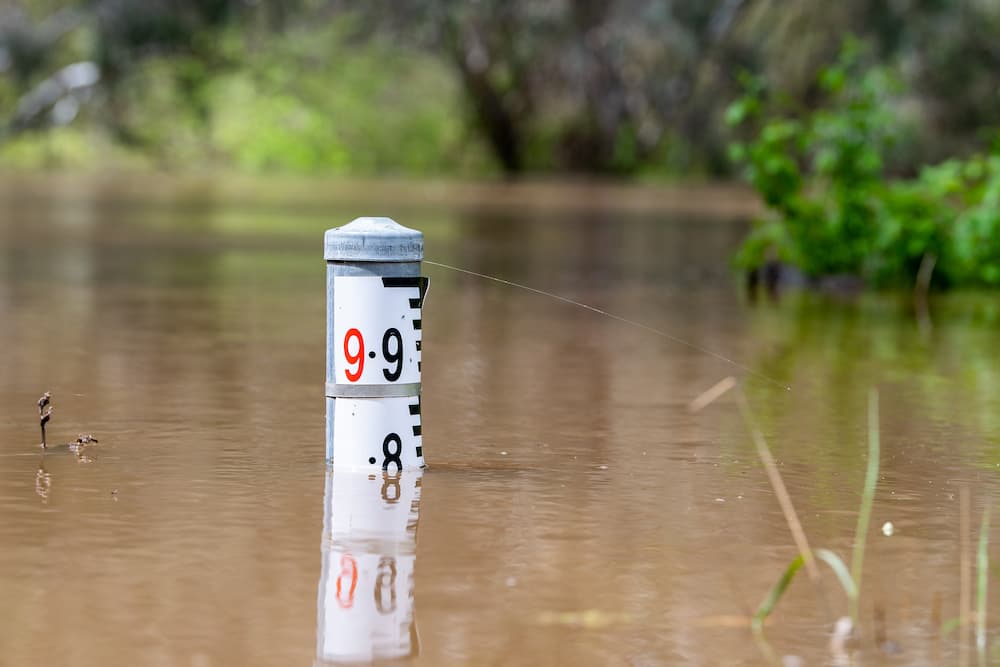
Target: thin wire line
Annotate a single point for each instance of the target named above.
(625, 320)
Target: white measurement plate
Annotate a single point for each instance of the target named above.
(378, 433)
(377, 331)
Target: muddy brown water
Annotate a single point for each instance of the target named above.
(573, 511)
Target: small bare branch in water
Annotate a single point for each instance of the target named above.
(712, 394)
(44, 414)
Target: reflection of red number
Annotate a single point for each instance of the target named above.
(357, 358)
(348, 568)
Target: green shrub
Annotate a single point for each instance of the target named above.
(832, 210)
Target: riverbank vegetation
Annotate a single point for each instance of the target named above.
(305, 102)
(628, 89)
(884, 169)
(845, 200)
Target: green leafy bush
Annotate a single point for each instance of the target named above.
(833, 210)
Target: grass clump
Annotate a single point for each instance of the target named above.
(850, 580)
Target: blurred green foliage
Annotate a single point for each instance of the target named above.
(623, 88)
(313, 102)
(834, 210)
(310, 101)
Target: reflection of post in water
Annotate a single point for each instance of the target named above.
(365, 605)
(43, 482)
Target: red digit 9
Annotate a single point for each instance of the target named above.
(354, 359)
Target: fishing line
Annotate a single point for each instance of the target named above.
(624, 320)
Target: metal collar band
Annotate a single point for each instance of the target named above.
(372, 390)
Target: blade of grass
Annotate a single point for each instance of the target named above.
(982, 582)
(867, 499)
(964, 574)
(785, 500)
(840, 569)
(774, 595)
(779, 588)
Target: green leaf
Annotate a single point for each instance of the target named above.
(774, 595)
(840, 569)
(736, 112)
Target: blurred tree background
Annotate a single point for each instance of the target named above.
(628, 88)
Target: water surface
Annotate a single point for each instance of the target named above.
(573, 511)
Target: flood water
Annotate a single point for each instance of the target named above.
(573, 511)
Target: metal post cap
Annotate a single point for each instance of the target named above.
(373, 240)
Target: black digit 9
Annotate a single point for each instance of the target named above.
(393, 357)
(392, 456)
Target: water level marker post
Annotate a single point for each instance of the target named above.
(375, 296)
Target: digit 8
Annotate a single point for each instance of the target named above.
(390, 456)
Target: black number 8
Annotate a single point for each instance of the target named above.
(392, 456)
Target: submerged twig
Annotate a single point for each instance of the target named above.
(45, 414)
